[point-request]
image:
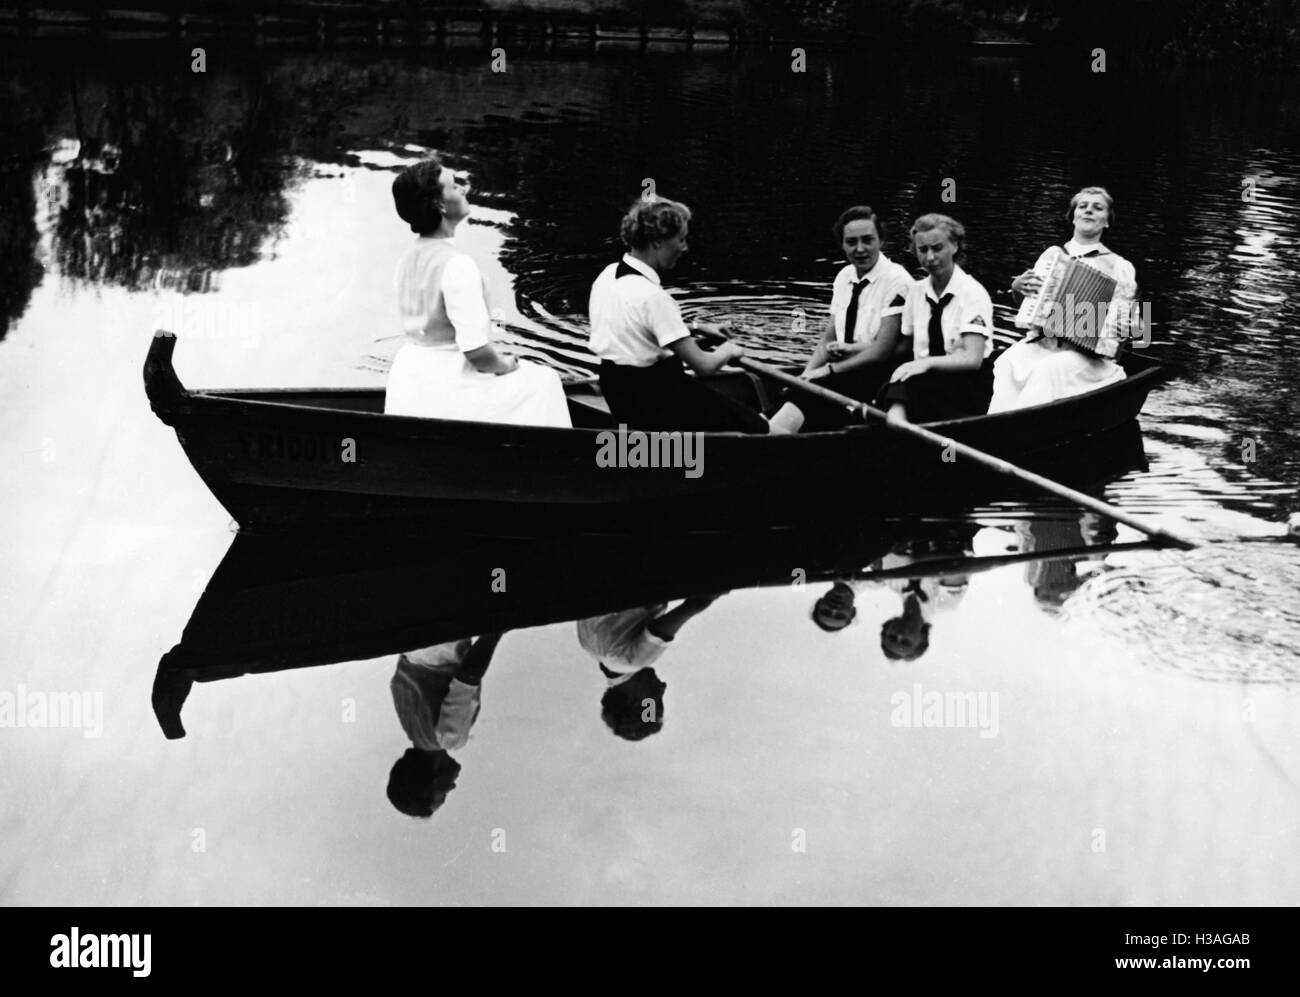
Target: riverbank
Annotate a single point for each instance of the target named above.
(1266, 33)
(528, 23)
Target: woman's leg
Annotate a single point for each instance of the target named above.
(662, 397)
(706, 410)
(629, 392)
(1009, 371)
(1064, 373)
(862, 383)
(939, 395)
(541, 400)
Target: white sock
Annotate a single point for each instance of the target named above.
(787, 420)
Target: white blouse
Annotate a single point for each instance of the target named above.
(970, 310)
(633, 319)
(885, 295)
(621, 641)
(441, 297)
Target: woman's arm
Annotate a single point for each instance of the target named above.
(467, 311)
(701, 361)
(665, 627)
(969, 356)
(1119, 318)
(487, 360)
(884, 346)
(472, 669)
(1031, 281)
(819, 355)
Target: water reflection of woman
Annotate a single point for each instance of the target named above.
(907, 636)
(835, 609)
(447, 368)
(1054, 581)
(626, 645)
(1041, 369)
(904, 637)
(437, 693)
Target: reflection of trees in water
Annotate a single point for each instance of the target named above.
(21, 138)
(182, 177)
(169, 187)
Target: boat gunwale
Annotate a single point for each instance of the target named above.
(160, 371)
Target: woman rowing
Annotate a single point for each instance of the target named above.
(626, 645)
(448, 368)
(861, 345)
(638, 333)
(1044, 368)
(948, 319)
(437, 693)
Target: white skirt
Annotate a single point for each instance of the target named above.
(1034, 374)
(436, 383)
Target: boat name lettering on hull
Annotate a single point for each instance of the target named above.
(267, 445)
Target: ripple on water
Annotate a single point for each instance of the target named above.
(1224, 612)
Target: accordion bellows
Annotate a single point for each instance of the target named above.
(1073, 304)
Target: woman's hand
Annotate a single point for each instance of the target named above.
(487, 360)
(842, 351)
(911, 369)
(1028, 284)
(728, 352)
(816, 372)
(709, 329)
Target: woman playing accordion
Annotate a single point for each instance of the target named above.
(1051, 363)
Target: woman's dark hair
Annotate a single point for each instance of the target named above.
(420, 781)
(417, 195)
(857, 213)
(895, 653)
(818, 613)
(652, 220)
(635, 709)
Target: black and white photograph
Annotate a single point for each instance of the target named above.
(651, 453)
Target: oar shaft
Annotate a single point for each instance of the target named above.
(938, 567)
(978, 456)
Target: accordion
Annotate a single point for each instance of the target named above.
(1073, 304)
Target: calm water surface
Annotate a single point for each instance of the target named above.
(1145, 749)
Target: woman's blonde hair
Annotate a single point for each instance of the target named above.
(953, 229)
(1102, 191)
(652, 220)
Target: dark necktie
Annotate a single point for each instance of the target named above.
(851, 316)
(937, 348)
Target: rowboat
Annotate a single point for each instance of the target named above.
(291, 458)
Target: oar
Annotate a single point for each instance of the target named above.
(978, 456)
(938, 567)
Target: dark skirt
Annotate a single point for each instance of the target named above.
(663, 397)
(942, 394)
(862, 383)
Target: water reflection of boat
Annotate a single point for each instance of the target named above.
(295, 600)
(285, 602)
(298, 457)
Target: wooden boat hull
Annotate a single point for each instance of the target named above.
(288, 458)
